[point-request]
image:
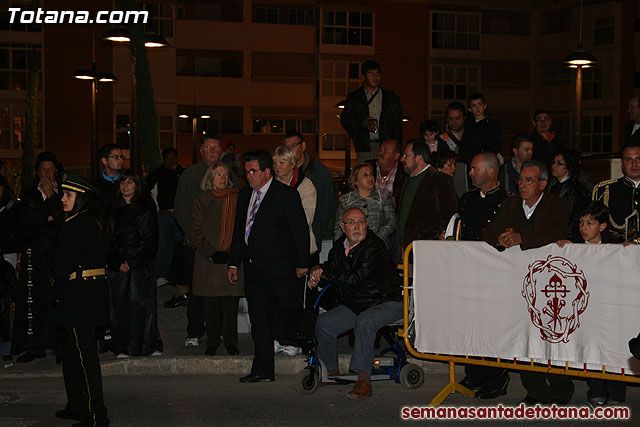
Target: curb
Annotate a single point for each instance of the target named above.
(207, 365)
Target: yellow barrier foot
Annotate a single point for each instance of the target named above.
(451, 388)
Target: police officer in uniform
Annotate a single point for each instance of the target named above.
(478, 208)
(81, 291)
(622, 195)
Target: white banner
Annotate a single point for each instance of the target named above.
(577, 304)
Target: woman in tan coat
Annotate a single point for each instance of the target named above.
(211, 232)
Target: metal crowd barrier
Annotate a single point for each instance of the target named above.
(515, 365)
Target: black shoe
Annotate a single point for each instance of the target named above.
(177, 301)
(466, 382)
(491, 392)
(251, 378)
(69, 414)
(31, 355)
(530, 401)
(232, 350)
(211, 351)
(89, 422)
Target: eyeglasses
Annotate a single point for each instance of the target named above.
(253, 171)
(117, 157)
(527, 181)
(294, 144)
(353, 222)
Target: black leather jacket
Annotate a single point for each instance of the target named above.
(364, 278)
(134, 234)
(573, 192)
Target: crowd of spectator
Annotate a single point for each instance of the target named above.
(229, 227)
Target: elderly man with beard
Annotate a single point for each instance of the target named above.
(369, 293)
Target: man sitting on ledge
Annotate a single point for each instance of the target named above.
(369, 292)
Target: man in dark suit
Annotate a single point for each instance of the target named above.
(271, 238)
(533, 220)
(371, 114)
(428, 199)
(632, 129)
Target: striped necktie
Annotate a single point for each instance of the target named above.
(252, 215)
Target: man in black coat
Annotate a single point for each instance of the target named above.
(632, 129)
(371, 114)
(111, 159)
(271, 238)
(370, 294)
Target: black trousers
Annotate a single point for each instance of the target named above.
(547, 387)
(611, 390)
(267, 295)
(181, 273)
(81, 370)
(221, 318)
(486, 376)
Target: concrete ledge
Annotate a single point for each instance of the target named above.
(207, 365)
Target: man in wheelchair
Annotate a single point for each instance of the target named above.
(369, 292)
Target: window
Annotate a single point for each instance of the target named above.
(592, 83)
(209, 63)
(347, 28)
(281, 126)
(555, 72)
(505, 22)
(334, 141)
(339, 77)
(457, 31)
(597, 134)
(165, 131)
(14, 65)
(282, 15)
(12, 127)
(555, 21)
(453, 81)
(603, 33)
(212, 10)
(122, 130)
(160, 19)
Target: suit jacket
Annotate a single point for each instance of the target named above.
(431, 209)
(629, 136)
(279, 239)
(356, 110)
(549, 222)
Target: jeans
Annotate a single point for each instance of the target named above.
(366, 325)
(169, 236)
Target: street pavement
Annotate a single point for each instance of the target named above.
(206, 400)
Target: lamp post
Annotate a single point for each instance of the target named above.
(95, 77)
(194, 131)
(151, 40)
(579, 59)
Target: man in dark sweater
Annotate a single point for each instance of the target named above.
(111, 159)
(162, 183)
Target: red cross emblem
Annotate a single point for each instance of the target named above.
(548, 289)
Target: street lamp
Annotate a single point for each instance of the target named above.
(579, 59)
(103, 77)
(194, 130)
(121, 34)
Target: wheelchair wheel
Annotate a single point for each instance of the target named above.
(411, 376)
(307, 381)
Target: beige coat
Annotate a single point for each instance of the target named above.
(209, 279)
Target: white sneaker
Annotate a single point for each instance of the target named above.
(161, 281)
(291, 350)
(191, 342)
(277, 347)
(156, 353)
(122, 356)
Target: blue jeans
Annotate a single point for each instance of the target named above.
(341, 319)
(169, 235)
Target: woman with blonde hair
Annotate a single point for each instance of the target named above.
(211, 231)
(375, 203)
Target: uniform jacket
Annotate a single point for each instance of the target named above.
(431, 209)
(81, 303)
(477, 212)
(356, 111)
(364, 278)
(549, 222)
(622, 198)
